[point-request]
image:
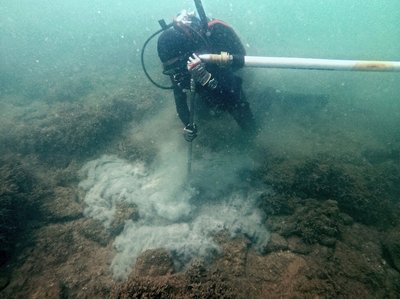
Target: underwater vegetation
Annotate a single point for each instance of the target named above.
(362, 191)
(198, 282)
(72, 131)
(324, 212)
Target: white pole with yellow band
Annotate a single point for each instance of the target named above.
(301, 63)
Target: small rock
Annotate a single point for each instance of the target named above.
(64, 206)
(276, 243)
(4, 281)
(327, 241)
(391, 249)
(296, 245)
(155, 262)
(346, 219)
(124, 211)
(94, 230)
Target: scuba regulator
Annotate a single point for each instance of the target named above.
(183, 22)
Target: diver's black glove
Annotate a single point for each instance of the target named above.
(199, 72)
(190, 132)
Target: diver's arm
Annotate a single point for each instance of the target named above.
(181, 105)
(224, 39)
(222, 82)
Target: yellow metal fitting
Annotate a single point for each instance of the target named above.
(224, 59)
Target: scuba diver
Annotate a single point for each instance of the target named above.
(219, 87)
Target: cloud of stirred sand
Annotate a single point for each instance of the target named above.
(173, 214)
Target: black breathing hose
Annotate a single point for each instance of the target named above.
(142, 60)
(203, 19)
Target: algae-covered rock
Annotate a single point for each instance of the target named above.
(95, 231)
(276, 204)
(155, 262)
(63, 206)
(123, 212)
(74, 130)
(18, 203)
(358, 191)
(318, 222)
(364, 193)
(4, 280)
(313, 222)
(276, 243)
(391, 248)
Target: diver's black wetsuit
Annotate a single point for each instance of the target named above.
(227, 95)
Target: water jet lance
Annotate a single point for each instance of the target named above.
(226, 59)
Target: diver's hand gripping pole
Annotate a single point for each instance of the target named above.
(226, 59)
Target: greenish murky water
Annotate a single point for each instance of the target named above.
(63, 62)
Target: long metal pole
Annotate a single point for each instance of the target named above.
(303, 63)
(192, 95)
